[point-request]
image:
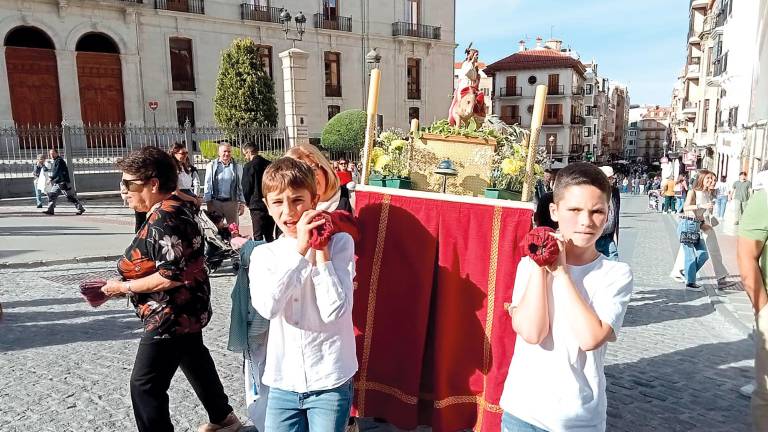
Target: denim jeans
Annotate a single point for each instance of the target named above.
(317, 411)
(695, 256)
(606, 246)
(510, 423)
(680, 202)
(722, 201)
(39, 195)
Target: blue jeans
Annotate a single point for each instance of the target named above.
(680, 202)
(510, 423)
(695, 256)
(317, 411)
(39, 195)
(606, 246)
(722, 201)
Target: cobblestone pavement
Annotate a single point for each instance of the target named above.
(65, 366)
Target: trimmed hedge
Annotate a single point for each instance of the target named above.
(345, 132)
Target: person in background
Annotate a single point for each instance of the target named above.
(643, 183)
(668, 191)
(625, 185)
(740, 194)
(543, 185)
(332, 194)
(681, 190)
(722, 192)
(608, 242)
(635, 185)
(223, 187)
(40, 173)
(345, 177)
(353, 171)
(253, 172)
(753, 265)
(189, 180)
(60, 182)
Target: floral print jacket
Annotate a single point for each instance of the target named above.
(170, 242)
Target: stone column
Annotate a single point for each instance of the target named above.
(295, 95)
(6, 116)
(134, 106)
(69, 89)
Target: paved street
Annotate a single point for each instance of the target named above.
(64, 366)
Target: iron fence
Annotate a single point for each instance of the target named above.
(93, 149)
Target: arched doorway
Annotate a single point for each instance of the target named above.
(33, 81)
(100, 78)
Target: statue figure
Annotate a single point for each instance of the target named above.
(468, 100)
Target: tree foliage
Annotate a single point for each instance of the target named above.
(245, 94)
(345, 131)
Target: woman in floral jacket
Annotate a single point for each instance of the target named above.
(165, 278)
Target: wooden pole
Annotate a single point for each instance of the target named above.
(370, 130)
(539, 103)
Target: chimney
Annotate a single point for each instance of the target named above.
(522, 46)
(538, 42)
(554, 44)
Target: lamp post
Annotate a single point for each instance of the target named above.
(551, 142)
(372, 59)
(300, 19)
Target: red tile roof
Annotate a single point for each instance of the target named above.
(457, 65)
(536, 59)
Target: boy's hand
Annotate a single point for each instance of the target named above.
(559, 268)
(304, 229)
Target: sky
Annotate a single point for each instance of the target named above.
(639, 43)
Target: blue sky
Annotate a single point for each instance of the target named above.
(638, 43)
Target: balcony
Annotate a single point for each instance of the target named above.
(577, 91)
(690, 108)
(577, 120)
(189, 6)
(327, 22)
(332, 90)
(553, 121)
(558, 90)
(252, 12)
(692, 71)
(510, 91)
(415, 30)
(414, 93)
(698, 4)
(511, 120)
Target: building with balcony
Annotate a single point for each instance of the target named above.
(620, 101)
(596, 100)
(651, 124)
(515, 78)
(756, 129)
(97, 61)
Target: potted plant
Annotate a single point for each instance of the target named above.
(508, 168)
(389, 161)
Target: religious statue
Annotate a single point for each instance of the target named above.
(468, 100)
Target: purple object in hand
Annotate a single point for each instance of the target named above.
(91, 292)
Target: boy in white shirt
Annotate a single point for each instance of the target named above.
(564, 314)
(307, 296)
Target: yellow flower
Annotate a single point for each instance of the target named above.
(397, 145)
(511, 166)
(381, 162)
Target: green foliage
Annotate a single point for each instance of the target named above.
(245, 94)
(390, 155)
(345, 132)
(210, 150)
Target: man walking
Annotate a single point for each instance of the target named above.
(608, 243)
(223, 188)
(668, 190)
(60, 182)
(740, 194)
(253, 171)
(543, 186)
(722, 190)
(753, 266)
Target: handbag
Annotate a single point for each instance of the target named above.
(690, 238)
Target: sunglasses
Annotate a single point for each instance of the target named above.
(184, 153)
(128, 183)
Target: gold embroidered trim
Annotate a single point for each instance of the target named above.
(413, 400)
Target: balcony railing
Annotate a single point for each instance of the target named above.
(510, 91)
(553, 121)
(132, 1)
(414, 93)
(556, 90)
(510, 120)
(327, 22)
(577, 120)
(259, 13)
(577, 91)
(332, 90)
(190, 6)
(693, 69)
(721, 65)
(415, 30)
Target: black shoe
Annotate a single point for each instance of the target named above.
(39, 206)
(694, 287)
(48, 212)
(80, 211)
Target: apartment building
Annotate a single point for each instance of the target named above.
(101, 61)
(596, 100)
(514, 85)
(620, 103)
(652, 132)
(633, 133)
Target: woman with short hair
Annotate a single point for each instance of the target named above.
(164, 276)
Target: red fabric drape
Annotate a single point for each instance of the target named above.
(434, 340)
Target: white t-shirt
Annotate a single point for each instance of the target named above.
(555, 385)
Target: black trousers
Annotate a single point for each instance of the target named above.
(263, 225)
(156, 363)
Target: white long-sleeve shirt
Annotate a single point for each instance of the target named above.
(311, 344)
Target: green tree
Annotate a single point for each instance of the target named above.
(245, 94)
(345, 132)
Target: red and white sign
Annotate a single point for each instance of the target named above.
(153, 105)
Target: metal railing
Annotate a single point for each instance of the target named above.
(415, 30)
(190, 6)
(414, 93)
(259, 13)
(510, 120)
(557, 90)
(577, 91)
(553, 120)
(577, 120)
(93, 149)
(510, 91)
(340, 23)
(332, 90)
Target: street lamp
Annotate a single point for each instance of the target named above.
(372, 59)
(300, 19)
(551, 142)
(446, 169)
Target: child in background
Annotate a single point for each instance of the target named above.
(565, 314)
(41, 182)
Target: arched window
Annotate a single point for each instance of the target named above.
(28, 37)
(98, 43)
